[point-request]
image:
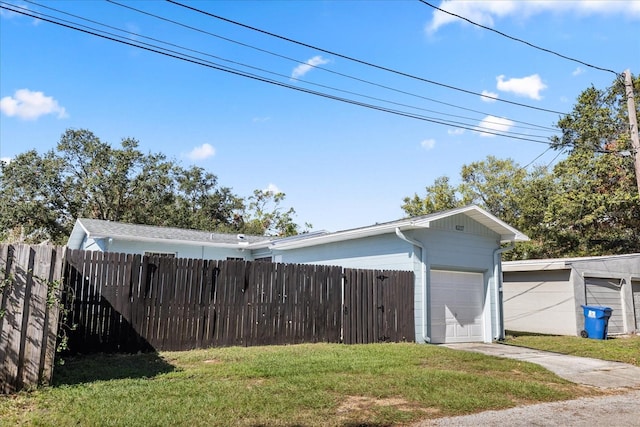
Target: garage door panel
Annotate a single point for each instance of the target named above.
(635, 288)
(456, 306)
(606, 293)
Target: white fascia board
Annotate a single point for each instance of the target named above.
(535, 265)
(77, 235)
(340, 236)
(258, 245)
(242, 245)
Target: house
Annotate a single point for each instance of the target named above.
(546, 296)
(454, 254)
(110, 236)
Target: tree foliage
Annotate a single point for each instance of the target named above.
(586, 205)
(42, 195)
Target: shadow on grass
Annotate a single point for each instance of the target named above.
(527, 334)
(103, 367)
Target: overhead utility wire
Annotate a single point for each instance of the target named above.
(350, 58)
(297, 61)
(259, 78)
(449, 122)
(542, 154)
(519, 40)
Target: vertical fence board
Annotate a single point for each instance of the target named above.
(29, 321)
(53, 313)
(166, 303)
(35, 314)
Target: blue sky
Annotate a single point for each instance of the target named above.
(340, 165)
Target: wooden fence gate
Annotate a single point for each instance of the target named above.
(378, 306)
(131, 303)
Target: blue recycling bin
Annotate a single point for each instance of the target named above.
(596, 321)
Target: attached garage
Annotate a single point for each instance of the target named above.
(546, 296)
(457, 301)
(455, 258)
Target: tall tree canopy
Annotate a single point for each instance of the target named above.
(588, 204)
(42, 195)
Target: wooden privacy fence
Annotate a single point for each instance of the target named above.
(30, 283)
(131, 303)
(378, 306)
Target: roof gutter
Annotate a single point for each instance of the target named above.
(497, 279)
(423, 260)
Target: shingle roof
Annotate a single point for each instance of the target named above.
(104, 229)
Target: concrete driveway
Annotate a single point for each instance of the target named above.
(579, 370)
(621, 408)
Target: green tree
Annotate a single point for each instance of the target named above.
(42, 195)
(596, 209)
(201, 204)
(266, 216)
(495, 185)
(587, 205)
(28, 201)
(439, 197)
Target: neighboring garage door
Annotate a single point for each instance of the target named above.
(456, 306)
(606, 293)
(539, 301)
(635, 287)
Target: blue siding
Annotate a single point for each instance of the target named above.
(181, 250)
(446, 249)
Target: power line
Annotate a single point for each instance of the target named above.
(518, 40)
(350, 58)
(537, 157)
(560, 152)
(448, 122)
(208, 64)
(535, 126)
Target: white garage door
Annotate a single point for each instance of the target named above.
(456, 306)
(606, 293)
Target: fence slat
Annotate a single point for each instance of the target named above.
(166, 303)
(29, 318)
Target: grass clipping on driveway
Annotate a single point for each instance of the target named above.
(311, 384)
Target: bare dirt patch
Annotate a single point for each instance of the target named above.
(364, 407)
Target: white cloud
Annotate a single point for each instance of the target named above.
(5, 160)
(485, 12)
(261, 119)
(303, 69)
(29, 105)
(489, 96)
(203, 152)
(10, 14)
(493, 124)
(272, 188)
(481, 12)
(526, 86)
(428, 144)
(578, 71)
(456, 131)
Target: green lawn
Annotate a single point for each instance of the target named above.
(314, 384)
(620, 349)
